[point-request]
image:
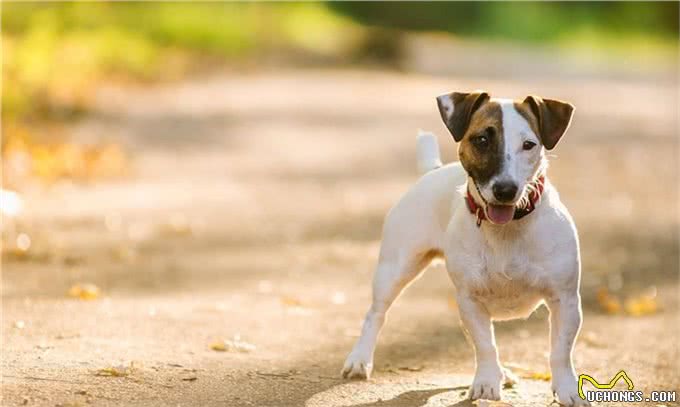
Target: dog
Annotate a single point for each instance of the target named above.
(508, 242)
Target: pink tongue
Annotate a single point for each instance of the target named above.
(500, 214)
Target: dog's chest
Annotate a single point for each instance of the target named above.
(507, 275)
(507, 269)
(509, 285)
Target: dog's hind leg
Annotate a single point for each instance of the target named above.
(394, 272)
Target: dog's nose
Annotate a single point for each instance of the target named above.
(504, 191)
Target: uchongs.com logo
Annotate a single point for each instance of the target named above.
(604, 392)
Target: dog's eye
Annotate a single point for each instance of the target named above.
(481, 141)
(528, 145)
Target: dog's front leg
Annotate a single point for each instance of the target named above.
(565, 323)
(478, 326)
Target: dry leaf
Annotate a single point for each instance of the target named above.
(67, 335)
(115, 371)
(23, 156)
(609, 303)
(412, 368)
(544, 376)
(84, 291)
(291, 301)
(124, 253)
(528, 373)
(232, 345)
(641, 305)
(73, 260)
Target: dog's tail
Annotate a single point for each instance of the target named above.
(427, 152)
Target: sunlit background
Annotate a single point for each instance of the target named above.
(192, 193)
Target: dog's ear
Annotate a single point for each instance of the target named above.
(457, 108)
(553, 117)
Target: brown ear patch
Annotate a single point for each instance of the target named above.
(457, 108)
(483, 165)
(548, 118)
(525, 111)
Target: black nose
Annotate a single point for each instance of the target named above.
(504, 191)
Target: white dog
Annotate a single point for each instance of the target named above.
(508, 242)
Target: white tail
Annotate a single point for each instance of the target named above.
(427, 152)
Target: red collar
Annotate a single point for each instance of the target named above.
(525, 207)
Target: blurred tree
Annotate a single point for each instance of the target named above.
(531, 21)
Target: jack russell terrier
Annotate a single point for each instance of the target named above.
(509, 244)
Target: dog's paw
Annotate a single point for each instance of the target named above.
(566, 391)
(487, 384)
(357, 366)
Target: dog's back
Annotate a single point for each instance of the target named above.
(428, 206)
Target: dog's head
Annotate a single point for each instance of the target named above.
(502, 143)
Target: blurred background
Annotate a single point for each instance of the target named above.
(167, 167)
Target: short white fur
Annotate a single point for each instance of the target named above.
(499, 272)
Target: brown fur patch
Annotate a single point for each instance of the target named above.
(525, 111)
(481, 165)
(549, 118)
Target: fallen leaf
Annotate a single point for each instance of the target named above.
(544, 376)
(73, 260)
(115, 371)
(527, 372)
(232, 345)
(67, 335)
(177, 225)
(644, 304)
(609, 303)
(412, 368)
(84, 291)
(291, 301)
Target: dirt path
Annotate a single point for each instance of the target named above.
(254, 210)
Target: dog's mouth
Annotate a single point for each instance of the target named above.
(498, 214)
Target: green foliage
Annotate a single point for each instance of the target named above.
(55, 53)
(526, 21)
